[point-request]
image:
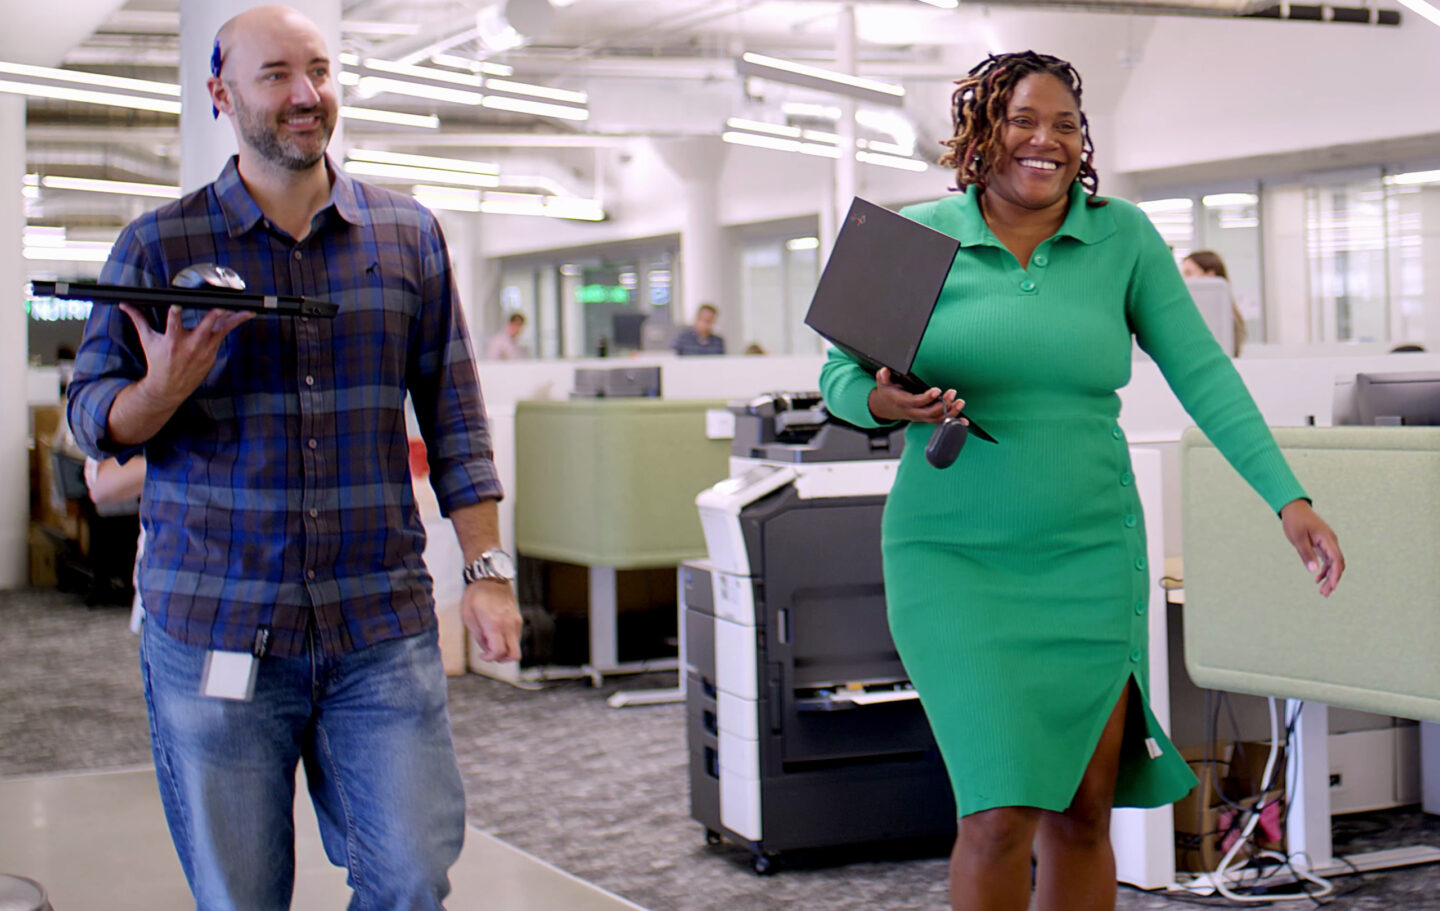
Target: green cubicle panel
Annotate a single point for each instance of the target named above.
(612, 482)
(1254, 620)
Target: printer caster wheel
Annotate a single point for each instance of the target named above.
(712, 837)
(762, 865)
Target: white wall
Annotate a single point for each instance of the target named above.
(1213, 89)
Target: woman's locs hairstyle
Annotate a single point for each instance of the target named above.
(978, 108)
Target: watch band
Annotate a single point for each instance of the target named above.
(493, 565)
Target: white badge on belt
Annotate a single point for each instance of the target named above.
(231, 675)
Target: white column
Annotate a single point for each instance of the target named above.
(14, 350)
(205, 142)
(846, 177)
(697, 161)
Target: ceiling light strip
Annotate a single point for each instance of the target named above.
(408, 174)
(424, 161)
(537, 91)
(759, 63)
(541, 108)
(85, 96)
(122, 187)
(421, 72)
(892, 161)
(475, 66)
(374, 85)
(96, 79)
(397, 118)
(1421, 8)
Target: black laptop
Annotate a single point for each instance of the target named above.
(879, 288)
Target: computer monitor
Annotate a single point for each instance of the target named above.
(626, 330)
(1389, 399)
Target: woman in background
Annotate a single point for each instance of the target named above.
(1208, 264)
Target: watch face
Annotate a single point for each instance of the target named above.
(501, 563)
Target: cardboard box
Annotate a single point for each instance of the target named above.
(45, 547)
(1207, 821)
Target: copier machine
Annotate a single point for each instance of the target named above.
(803, 729)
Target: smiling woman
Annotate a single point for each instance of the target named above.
(1016, 581)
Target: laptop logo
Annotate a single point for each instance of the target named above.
(857, 219)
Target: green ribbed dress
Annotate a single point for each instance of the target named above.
(1015, 579)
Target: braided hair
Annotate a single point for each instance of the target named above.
(978, 113)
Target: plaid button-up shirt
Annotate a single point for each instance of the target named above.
(279, 495)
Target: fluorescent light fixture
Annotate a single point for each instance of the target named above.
(348, 78)
(541, 108)
(553, 187)
(820, 136)
(76, 251)
(892, 123)
(96, 79)
(536, 204)
(1421, 8)
(474, 66)
(571, 270)
(44, 236)
(1164, 206)
(774, 68)
(1413, 178)
(759, 126)
(538, 91)
(779, 144)
(892, 161)
(421, 72)
(451, 199)
(802, 243)
(943, 4)
(122, 187)
(805, 109)
(403, 173)
(370, 86)
(1228, 200)
(424, 161)
(399, 119)
(85, 96)
(349, 59)
(30, 192)
(382, 29)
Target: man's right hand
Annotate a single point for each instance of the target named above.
(179, 359)
(177, 362)
(889, 401)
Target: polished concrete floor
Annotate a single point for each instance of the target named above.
(98, 840)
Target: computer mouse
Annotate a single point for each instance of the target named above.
(946, 441)
(208, 275)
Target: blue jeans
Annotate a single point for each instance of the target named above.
(373, 733)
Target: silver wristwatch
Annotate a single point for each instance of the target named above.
(494, 564)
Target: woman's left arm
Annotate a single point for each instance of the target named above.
(1170, 329)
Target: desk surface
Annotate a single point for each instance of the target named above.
(1254, 621)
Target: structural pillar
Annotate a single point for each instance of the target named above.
(698, 161)
(846, 176)
(206, 143)
(14, 350)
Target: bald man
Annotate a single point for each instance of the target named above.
(290, 615)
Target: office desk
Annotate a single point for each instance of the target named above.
(1255, 623)
(610, 484)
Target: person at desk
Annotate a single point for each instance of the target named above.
(289, 611)
(700, 338)
(1015, 579)
(1208, 264)
(505, 345)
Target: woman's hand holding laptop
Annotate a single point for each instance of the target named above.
(889, 401)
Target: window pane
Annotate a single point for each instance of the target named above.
(1345, 244)
(802, 273)
(762, 282)
(1230, 226)
(1175, 220)
(1413, 229)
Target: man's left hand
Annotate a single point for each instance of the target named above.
(493, 618)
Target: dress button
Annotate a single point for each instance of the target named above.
(309, 381)
(1040, 260)
(1136, 655)
(1126, 478)
(1115, 432)
(312, 443)
(1139, 607)
(1140, 563)
(1130, 521)
(1027, 285)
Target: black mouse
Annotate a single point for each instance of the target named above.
(946, 441)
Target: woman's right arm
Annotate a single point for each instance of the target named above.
(856, 396)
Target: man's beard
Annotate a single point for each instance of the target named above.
(265, 138)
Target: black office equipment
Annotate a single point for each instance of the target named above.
(878, 291)
(201, 298)
(616, 382)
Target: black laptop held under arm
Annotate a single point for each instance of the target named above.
(879, 288)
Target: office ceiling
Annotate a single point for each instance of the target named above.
(650, 67)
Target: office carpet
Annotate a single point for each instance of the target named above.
(596, 791)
